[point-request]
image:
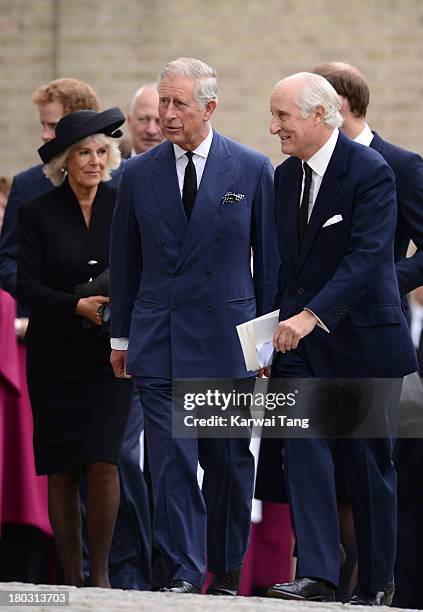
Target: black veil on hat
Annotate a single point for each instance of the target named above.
(79, 125)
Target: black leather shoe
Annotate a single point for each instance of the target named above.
(306, 589)
(225, 584)
(181, 586)
(381, 598)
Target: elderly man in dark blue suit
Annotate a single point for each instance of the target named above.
(188, 214)
(340, 317)
(130, 562)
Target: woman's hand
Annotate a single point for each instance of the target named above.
(90, 308)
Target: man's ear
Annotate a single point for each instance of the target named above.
(129, 119)
(345, 106)
(319, 114)
(209, 109)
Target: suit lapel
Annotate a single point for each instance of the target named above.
(330, 186)
(288, 194)
(215, 182)
(166, 187)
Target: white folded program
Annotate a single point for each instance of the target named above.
(256, 338)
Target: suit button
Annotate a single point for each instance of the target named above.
(173, 308)
(162, 243)
(300, 291)
(209, 307)
(209, 273)
(218, 238)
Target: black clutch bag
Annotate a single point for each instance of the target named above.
(96, 286)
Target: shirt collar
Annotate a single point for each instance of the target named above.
(202, 150)
(320, 160)
(365, 137)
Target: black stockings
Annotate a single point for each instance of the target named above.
(65, 517)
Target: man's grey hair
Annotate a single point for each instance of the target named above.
(318, 91)
(55, 170)
(204, 76)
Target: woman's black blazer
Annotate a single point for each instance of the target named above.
(56, 252)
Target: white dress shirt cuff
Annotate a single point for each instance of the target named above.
(319, 321)
(119, 344)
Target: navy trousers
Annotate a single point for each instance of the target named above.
(310, 481)
(190, 524)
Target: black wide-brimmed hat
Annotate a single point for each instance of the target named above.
(79, 125)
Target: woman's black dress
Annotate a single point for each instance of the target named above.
(80, 409)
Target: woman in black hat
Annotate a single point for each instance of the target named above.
(80, 409)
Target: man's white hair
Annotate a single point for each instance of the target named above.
(204, 76)
(139, 91)
(317, 91)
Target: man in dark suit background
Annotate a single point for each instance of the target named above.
(354, 92)
(340, 317)
(189, 211)
(130, 552)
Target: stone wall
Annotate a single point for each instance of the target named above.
(116, 45)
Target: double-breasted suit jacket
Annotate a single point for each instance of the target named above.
(178, 290)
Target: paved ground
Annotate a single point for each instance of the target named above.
(99, 600)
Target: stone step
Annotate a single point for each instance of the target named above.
(99, 600)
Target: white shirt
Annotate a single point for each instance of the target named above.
(199, 158)
(365, 137)
(318, 164)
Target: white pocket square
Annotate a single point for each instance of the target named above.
(332, 220)
(232, 198)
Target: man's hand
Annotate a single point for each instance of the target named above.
(289, 333)
(21, 325)
(264, 372)
(90, 308)
(118, 361)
